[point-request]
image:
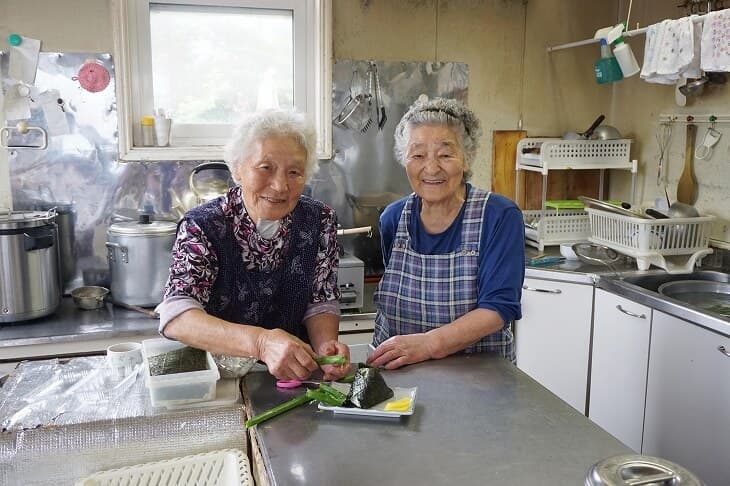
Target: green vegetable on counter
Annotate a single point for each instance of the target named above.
(278, 410)
(331, 360)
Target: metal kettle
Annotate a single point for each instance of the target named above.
(217, 182)
(637, 469)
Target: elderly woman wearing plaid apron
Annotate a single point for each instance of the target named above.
(454, 253)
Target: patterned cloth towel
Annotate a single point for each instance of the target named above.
(716, 41)
(672, 51)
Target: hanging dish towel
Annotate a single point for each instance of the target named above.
(716, 41)
(670, 51)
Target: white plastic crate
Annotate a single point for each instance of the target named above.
(674, 244)
(556, 227)
(555, 153)
(178, 389)
(228, 467)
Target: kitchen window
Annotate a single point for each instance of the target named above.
(208, 62)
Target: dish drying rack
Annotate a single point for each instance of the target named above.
(674, 244)
(546, 226)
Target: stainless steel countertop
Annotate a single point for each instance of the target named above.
(602, 277)
(478, 420)
(69, 324)
(664, 304)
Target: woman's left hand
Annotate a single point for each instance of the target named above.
(332, 348)
(401, 350)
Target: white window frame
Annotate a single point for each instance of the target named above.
(312, 73)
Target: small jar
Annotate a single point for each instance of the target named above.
(148, 131)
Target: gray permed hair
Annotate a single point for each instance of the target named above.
(441, 111)
(263, 124)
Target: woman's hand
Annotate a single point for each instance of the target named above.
(401, 350)
(332, 348)
(286, 356)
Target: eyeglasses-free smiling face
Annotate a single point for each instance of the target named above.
(435, 163)
(272, 177)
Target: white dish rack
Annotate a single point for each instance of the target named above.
(545, 226)
(675, 244)
(555, 226)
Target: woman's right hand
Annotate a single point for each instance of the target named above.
(286, 356)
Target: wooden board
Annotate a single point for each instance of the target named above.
(504, 152)
(562, 184)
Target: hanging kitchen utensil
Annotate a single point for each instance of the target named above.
(92, 76)
(587, 134)
(687, 185)
(369, 96)
(663, 137)
(382, 118)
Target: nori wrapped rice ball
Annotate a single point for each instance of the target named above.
(368, 388)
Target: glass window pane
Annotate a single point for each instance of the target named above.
(211, 64)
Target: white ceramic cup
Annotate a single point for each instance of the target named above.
(162, 131)
(122, 358)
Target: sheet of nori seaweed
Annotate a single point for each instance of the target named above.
(368, 388)
(182, 360)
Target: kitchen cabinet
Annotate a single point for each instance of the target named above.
(619, 360)
(552, 340)
(687, 417)
(356, 329)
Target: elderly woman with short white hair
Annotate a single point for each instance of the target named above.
(454, 253)
(254, 272)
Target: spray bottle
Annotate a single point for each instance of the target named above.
(607, 68)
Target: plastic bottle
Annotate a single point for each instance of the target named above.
(148, 131)
(607, 68)
(625, 57)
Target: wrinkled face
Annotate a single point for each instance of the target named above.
(435, 162)
(272, 177)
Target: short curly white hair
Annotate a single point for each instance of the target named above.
(258, 126)
(440, 111)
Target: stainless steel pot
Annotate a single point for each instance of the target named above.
(637, 469)
(30, 285)
(139, 254)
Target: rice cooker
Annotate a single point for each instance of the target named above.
(30, 284)
(139, 254)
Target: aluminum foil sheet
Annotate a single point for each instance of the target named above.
(62, 421)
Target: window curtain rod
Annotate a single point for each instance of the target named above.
(628, 33)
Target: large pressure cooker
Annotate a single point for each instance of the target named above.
(30, 284)
(139, 254)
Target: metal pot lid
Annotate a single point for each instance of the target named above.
(636, 469)
(143, 227)
(26, 219)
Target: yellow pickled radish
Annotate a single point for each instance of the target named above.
(401, 405)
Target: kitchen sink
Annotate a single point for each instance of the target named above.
(653, 281)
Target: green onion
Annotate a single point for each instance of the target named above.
(331, 360)
(347, 379)
(323, 397)
(278, 410)
(333, 393)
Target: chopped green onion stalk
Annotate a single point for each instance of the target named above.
(333, 393)
(278, 410)
(331, 360)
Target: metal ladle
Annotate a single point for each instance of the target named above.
(593, 254)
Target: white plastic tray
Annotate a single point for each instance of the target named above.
(379, 409)
(228, 467)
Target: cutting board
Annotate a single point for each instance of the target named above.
(562, 184)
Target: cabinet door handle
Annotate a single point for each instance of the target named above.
(723, 350)
(547, 291)
(629, 313)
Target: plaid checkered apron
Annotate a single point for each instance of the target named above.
(422, 292)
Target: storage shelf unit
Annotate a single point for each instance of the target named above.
(551, 227)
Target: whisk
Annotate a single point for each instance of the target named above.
(663, 137)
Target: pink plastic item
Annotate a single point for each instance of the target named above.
(93, 77)
(294, 383)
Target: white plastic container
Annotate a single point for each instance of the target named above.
(176, 389)
(228, 467)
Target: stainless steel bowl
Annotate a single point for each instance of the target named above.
(233, 366)
(89, 297)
